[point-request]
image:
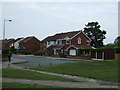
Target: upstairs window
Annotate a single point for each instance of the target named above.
(67, 41)
(79, 40)
(54, 42)
(88, 42)
(48, 42)
(58, 42)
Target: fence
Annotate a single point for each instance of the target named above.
(104, 54)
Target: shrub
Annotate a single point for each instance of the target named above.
(39, 53)
(6, 50)
(117, 49)
(84, 49)
(85, 55)
(23, 52)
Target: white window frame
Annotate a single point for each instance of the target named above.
(48, 42)
(88, 42)
(79, 40)
(68, 41)
(54, 42)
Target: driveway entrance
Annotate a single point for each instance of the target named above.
(35, 61)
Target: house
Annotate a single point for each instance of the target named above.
(16, 43)
(8, 43)
(66, 43)
(29, 44)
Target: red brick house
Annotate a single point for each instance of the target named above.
(29, 44)
(66, 43)
(8, 43)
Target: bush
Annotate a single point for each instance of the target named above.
(117, 49)
(6, 50)
(85, 48)
(39, 53)
(85, 55)
(23, 52)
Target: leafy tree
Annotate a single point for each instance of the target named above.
(92, 30)
(110, 45)
(117, 41)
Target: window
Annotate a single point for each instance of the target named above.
(79, 40)
(54, 42)
(48, 43)
(58, 42)
(67, 41)
(88, 42)
(66, 52)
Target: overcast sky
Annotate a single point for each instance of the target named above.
(45, 19)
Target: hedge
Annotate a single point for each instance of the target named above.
(6, 50)
(39, 53)
(97, 49)
(23, 52)
(117, 49)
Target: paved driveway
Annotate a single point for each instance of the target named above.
(34, 61)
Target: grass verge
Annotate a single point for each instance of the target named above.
(20, 85)
(103, 70)
(25, 74)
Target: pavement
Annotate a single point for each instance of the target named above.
(6, 64)
(57, 83)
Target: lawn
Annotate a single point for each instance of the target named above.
(25, 74)
(103, 70)
(20, 85)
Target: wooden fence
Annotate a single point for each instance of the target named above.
(99, 54)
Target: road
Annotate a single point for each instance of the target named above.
(34, 61)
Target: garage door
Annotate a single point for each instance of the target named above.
(73, 52)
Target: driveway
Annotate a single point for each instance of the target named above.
(34, 61)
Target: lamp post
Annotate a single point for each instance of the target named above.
(3, 43)
(9, 20)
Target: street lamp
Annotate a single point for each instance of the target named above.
(9, 20)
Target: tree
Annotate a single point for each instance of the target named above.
(92, 30)
(110, 45)
(117, 41)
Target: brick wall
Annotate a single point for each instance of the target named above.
(33, 45)
(84, 39)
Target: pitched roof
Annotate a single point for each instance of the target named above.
(57, 46)
(26, 39)
(61, 36)
(18, 39)
(9, 41)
